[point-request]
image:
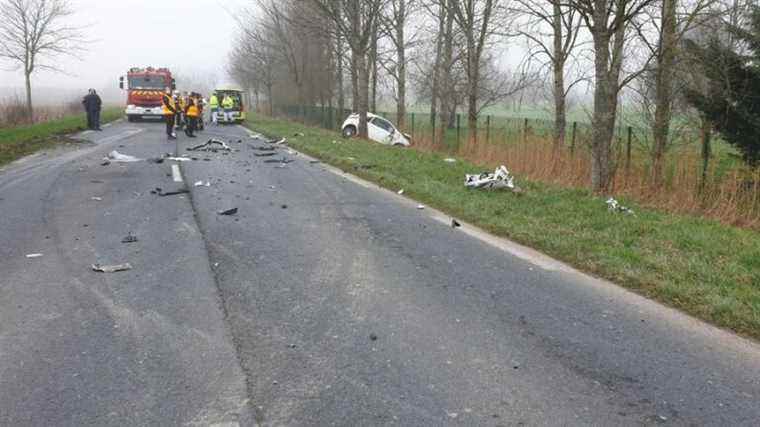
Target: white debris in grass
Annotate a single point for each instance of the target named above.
(614, 206)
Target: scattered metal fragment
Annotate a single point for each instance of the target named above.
(455, 223)
(278, 160)
(284, 206)
(400, 191)
(111, 268)
(156, 160)
(500, 178)
(130, 238)
(420, 207)
(171, 193)
(202, 184)
(265, 154)
(97, 199)
(33, 255)
(212, 145)
(232, 211)
(97, 181)
(373, 337)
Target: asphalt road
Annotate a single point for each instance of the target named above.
(323, 301)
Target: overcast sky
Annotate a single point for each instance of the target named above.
(189, 36)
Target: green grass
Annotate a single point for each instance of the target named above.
(17, 142)
(702, 267)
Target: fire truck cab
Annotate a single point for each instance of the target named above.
(145, 88)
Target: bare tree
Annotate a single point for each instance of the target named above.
(394, 26)
(552, 29)
(33, 33)
(608, 22)
(478, 21)
(355, 20)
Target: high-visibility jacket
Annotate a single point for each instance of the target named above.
(182, 103)
(168, 106)
(213, 102)
(192, 110)
(227, 103)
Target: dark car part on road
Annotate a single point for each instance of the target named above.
(170, 193)
(455, 223)
(111, 268)
(232, 211)
(265, 154)
(263, 148)
(278, 161)
(130, 238)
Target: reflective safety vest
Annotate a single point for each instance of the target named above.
(213, 102)
(227, 102)
(167, 105)
(192, 111)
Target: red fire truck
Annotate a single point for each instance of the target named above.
(145, 87)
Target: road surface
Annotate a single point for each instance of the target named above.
(323, 301)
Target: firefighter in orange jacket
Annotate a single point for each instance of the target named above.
(191, 116)
(169, 109)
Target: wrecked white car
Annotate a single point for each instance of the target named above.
(379, 129)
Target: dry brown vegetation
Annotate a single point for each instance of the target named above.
(13, 112)
(730, 196)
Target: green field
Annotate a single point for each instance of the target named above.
(707, 269)
(17, 142)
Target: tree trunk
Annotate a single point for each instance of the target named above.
(354, 81)
(339, 77)
(401, 69)
(373, 70)
(446, 63)
(29, 109)
(363, 77)
(473, 78)
(663, 90)
(603, 119)
(560, 120)
(436, 68)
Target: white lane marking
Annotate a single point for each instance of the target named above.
(176, 174)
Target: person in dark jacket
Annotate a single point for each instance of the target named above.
(92, 105)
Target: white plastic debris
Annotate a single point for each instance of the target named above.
(115, 156)
(614, 206)
(420, 206)
(501, 178)
(111, 268)
(97, 199)
(449, 160)
(400, 191)
(202, 184)
(33, 255)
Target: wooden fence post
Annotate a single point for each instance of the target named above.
(572, 139)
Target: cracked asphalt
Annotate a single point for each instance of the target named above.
(323, 301)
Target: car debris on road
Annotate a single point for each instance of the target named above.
(33, 255)
(212, 145)
(116, 157)
(130, 238)
(267, 154)
(161, 193)
(228, 212)
(111, 268)
(202, 184)
(500, 178)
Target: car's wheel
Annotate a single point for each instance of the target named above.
(349, 131)
(131, 118)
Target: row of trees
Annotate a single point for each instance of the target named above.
(451, 53)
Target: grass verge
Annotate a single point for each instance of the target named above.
(17, 142)
(707, 269)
